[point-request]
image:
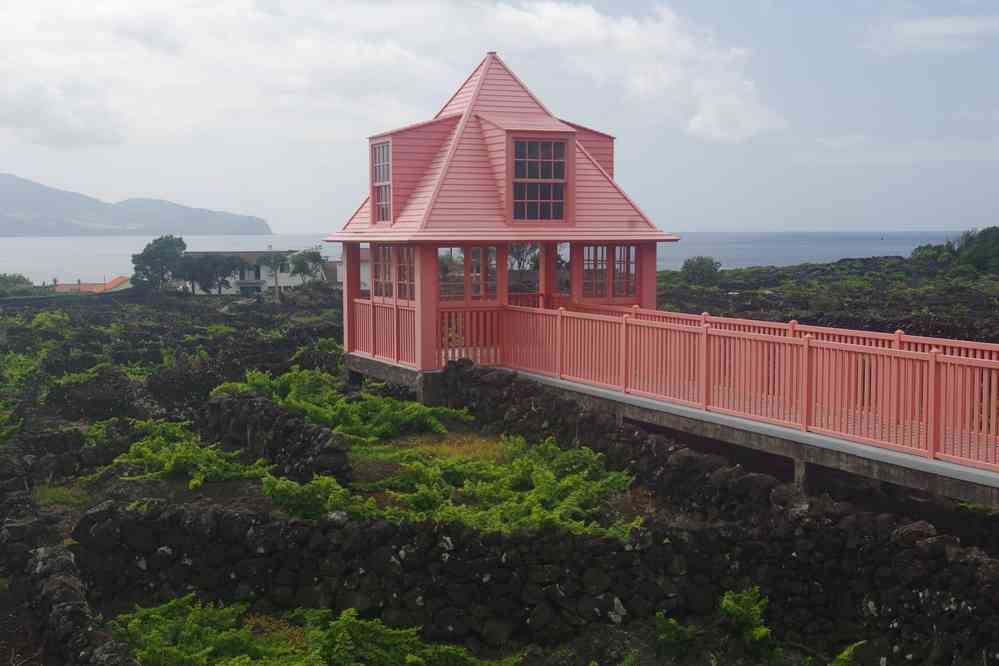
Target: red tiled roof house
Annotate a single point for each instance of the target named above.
(493, 204)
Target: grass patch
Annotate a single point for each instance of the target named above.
(4, 585)
(71, 496)
(472, 446)
(185, 631)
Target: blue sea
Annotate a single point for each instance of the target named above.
(97, 258)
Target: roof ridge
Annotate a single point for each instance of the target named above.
(614, 184)
(458, 133)
(523, 85)
(464, 83)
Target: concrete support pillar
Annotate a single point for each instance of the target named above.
(647, 275)
(801, 475)
(351, 264)
(426, 307)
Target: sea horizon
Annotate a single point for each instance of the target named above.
(100, 258)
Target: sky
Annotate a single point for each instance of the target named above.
(755, 115)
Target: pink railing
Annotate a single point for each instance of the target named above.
(472, 333)
(941, 402)
(385, 330)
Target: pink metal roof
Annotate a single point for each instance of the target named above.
(449, 175)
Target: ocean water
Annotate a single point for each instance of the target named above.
(96, 258)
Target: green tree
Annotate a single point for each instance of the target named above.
(277, 262)
(307, 264)
(701, 270)
(212, 271)
(159, 262)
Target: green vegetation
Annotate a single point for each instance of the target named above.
(55, 321)
(315, 393)
(172, 450)
(950, 290)
(8, 426)
(316, 498)
(70, 496)
(160, 261)
(700, 270)
(742, 612)
(525, 488)
(185, 632)
(672, 638)
(15, 284)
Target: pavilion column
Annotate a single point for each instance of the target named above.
(351, 263)
(647, 275)
(426, 307)
(502, 273)
(576, 271)
(545, 274)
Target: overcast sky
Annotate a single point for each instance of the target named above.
(749, 115)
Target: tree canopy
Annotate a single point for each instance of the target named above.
(307, 263)
(160, 261)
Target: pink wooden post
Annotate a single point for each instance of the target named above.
(502, 273)
(646, 275)
(704, 318)
(933, 418)
(896, 394)
(792, 328)
(351, 263)
(623, 369)
(705, 388)
(558, 343)
(576, 271)
(544, 273)
(395, 304)
(807, 387)
(426, 307)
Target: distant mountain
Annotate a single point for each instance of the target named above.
(31, 209)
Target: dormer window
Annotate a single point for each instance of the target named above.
(381, 180)
(539, 180)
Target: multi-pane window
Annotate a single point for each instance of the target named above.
(381, 271)
(624, 270)
(595, 270)
(381, 180)
(539, 180)
(406, 273)
(482, 273)
(451, 273)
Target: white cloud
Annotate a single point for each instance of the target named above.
(676, 71)
(335, 71)
(934, 34)
(863, 150)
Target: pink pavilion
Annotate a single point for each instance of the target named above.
(493, 203)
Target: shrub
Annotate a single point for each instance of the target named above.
(51, 320)
(742, 612)
(314, 393)
(316, 498)
(701, 270)
(8, 426)
(528, 488)
(187, 632)
(672, 638)
(170, 449)
(846, 657)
